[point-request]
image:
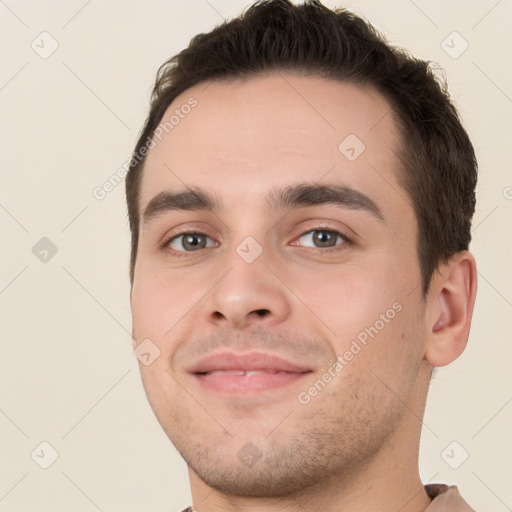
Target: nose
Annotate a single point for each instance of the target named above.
(248, 294)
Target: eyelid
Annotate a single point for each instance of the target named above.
(199, 228)
(185, 231)
(347, 239)
(315, 224)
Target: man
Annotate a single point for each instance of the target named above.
(300, 201)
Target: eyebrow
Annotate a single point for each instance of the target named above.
(294, 196)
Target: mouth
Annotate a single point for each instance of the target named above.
(243, 372)
(246, 381)
(229, 373)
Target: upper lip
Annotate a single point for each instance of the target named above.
(255, 361)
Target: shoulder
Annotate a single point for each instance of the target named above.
(446, 498)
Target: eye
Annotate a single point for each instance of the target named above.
(323, 238)
(188, 242)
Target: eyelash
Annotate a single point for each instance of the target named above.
(338, 247)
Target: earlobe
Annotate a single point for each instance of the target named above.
(450, 309)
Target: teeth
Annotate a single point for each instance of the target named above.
(226, 372)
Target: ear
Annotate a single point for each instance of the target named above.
(450, 305)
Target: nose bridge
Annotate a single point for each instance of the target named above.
(249, 292)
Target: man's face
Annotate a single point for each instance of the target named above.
(262, 277)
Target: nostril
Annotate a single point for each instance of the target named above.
(262, 312)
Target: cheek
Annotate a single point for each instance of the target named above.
(380, 362)
(156, 312)
(161, 303)
(370, 320)
(350, 298)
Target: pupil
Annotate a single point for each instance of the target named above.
(192, 241)
(323, 238)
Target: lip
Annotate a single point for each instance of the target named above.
(255, 361)
(226, 372)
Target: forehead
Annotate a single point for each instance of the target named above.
(244, 137)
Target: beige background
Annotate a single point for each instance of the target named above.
(67, 373)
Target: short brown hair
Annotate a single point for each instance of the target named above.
(439, 166)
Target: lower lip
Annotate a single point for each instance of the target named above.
(225, 383)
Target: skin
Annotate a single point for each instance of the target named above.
(358, 437)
